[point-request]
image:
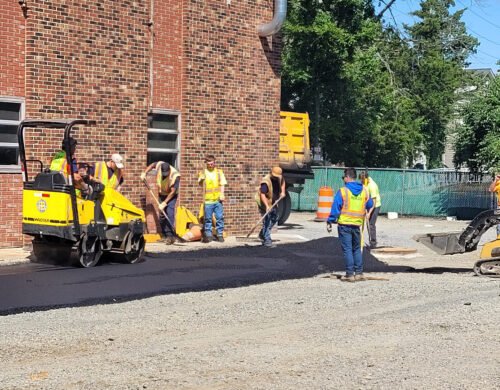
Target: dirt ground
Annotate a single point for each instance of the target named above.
(434, 327)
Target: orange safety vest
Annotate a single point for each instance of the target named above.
(353, 207)
(101, 174)
(266, 180)
(165, 184)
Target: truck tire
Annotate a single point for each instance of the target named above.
(284, 209)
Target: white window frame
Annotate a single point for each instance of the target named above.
(19, 100)
(175, 151)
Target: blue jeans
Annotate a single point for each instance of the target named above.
(166, 229)
(218, 210)
(350, 241)
(267, 225)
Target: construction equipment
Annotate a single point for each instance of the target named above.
(294, 157)
(67, 227)
(467, 241)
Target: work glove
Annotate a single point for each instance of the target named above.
(329, 227)
(162, 205)
(143, 176)
(222, 198)
(201, 177)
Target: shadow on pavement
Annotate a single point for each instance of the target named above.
(33, 287)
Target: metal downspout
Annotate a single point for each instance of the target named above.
(271, 28)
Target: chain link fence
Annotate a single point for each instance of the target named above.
(410, 191)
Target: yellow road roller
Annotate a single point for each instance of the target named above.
(68, 225)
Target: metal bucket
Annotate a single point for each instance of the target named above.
(442, 243)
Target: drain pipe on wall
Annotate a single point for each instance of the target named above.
(271, 28)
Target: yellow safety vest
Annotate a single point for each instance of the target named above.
(60, 164)
(353, 207)
(165, 184)
(101, 174)
(212, 187)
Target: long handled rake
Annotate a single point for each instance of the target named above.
(163, 211)
(247, 237)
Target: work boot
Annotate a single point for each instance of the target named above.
(206, 239)
(269, 244)
(261, 235)
(347, 278)
(169, 240)
(359, 278)
(220, 238)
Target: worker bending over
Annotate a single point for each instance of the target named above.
(167, 181)
(271, 189)
(110, 172)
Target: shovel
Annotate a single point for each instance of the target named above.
(245, 238)
(163, 211)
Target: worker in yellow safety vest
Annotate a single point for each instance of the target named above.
(350, 206)
(495, 188)
(167, 181)
(213, 181)
(59, 163)
(110, 173)
(374, 192)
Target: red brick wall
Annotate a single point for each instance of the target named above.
(92, 60)
(89, 59)
(10, 210)
(11, 49)
(167, 54)
(231, 101)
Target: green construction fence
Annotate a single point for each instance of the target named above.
(410, 191)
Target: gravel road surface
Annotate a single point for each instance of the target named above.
(436, 327)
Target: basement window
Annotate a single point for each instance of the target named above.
(11, 114)
(163, 137)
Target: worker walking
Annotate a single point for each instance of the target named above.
(349, 209)
(213, 181)
(167, 181)
(495, 187)
(110, 173)
(271, 189)
(374, 193)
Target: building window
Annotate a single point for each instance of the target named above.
(163, 137)
(11, 114)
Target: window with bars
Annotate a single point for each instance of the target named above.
(163, 137)
(11, 114)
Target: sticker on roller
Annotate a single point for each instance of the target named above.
(41, 205)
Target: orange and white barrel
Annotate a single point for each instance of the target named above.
(325, 201)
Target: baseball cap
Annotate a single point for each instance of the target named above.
(276, 172)
(165, 167)
(118, 160)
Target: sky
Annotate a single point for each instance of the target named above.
(482, 19)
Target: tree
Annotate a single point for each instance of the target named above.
(478, 140)
(441, 46)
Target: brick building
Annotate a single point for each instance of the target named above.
(170, 79)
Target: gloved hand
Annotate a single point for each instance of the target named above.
(143, 176)
(162, 205)
(329, 227)
(222, 198)
(201, 177)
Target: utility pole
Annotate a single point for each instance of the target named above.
(387, 6)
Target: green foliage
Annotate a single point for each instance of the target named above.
(478, 139)
(374, 97)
